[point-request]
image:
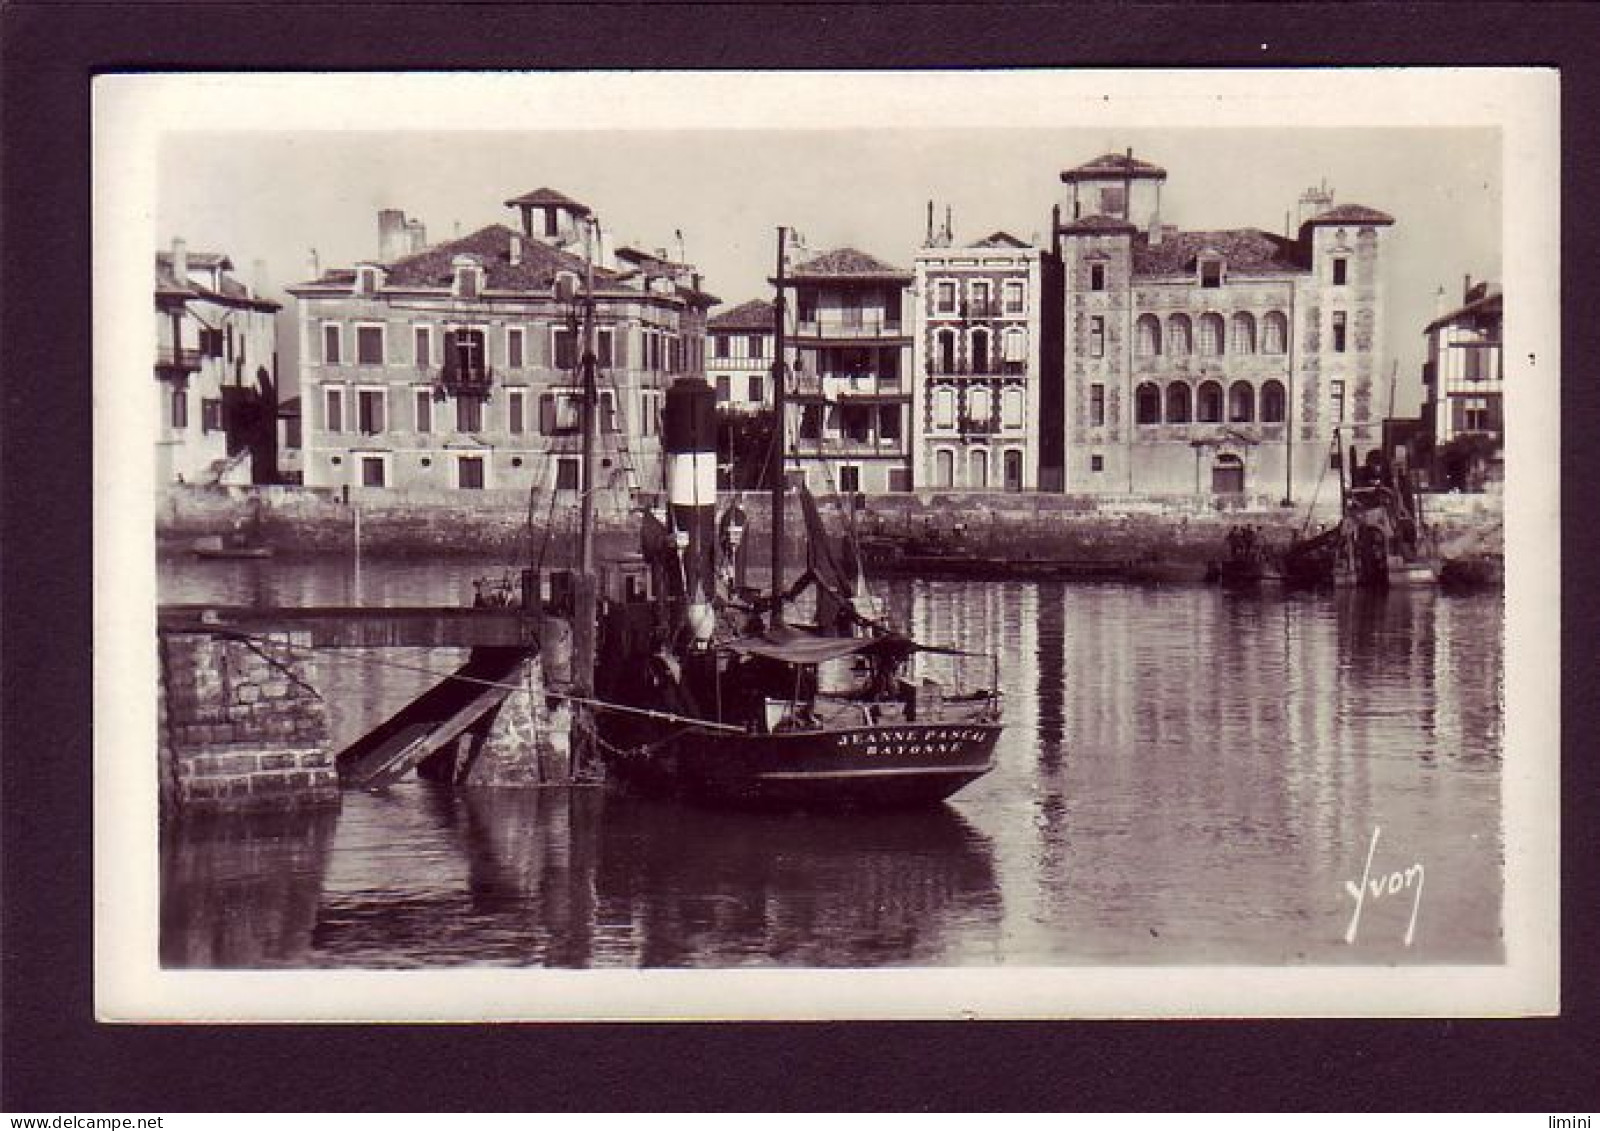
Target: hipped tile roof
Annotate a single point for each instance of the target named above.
(847, 262)
(1113, 165)
(549, 196)
(753, 315)
(491, 247)
(1247, 250)
(1351, 214)
(1001, 239)
(1490, 303)
(1100, 224)
(230, 290)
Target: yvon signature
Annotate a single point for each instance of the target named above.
(1384, 887)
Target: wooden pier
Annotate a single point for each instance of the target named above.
(332, 626)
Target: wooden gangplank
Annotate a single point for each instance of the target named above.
(333, 626)
(425, 725)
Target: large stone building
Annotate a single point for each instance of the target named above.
(456, 366)
(1463, 390)
(216, 372)
(980, 386)
(739, 355)
(1213, 362)
(849, 409)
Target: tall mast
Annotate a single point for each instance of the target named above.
(589, 403)
(780, 438)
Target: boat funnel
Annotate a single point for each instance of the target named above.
(689, 438)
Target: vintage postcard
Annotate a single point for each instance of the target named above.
(1025, 544)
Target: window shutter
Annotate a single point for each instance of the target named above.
(547, 414)
(449, 354)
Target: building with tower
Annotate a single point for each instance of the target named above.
(1224, 362)
(455, 366)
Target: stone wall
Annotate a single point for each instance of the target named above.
(240, 725)
(494, 523)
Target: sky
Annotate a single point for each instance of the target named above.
(273, 196)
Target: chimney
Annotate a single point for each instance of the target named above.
(180, 260)
(258, 277)
(1439, 303)
(393, 239)
(313, 266)
(417, 236)
(1466, 288)
(949, 229)
(516, 250)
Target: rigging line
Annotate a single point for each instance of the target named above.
(600, 704)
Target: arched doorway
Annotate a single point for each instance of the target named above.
(1227, 475)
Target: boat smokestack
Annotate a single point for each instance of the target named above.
(689, 438)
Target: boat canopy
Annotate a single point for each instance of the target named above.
(793, 645)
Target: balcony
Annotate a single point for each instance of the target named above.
(849, 386)
(176, 362)
(977, 426)
(867, 325)
(459, 382)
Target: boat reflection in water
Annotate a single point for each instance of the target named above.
(582, 878)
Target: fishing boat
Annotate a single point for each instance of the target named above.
(707, 687)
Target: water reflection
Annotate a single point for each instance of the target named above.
(1188, 775)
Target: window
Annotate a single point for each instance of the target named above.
(947, 352)
(1208, 403)
(1180, 340)
(1178, 403)
(422, 346)
(806, 304)
(1478, 363)
(1241, 403)
(331, 353)
(373, 472)
(1274, 332)
(856, 423)
(464, 355)
(369, 345)
(757, 390)
(333, 410)
(1340, 268)
(514, 342)
(1097, 406)
(1097, 463)
(944, 468)
(1211, 335)
(1097, 276)
(944, 408)
(978, 410)
(1244, 333)
(1272, 402)
(605, 354)
(978, 470)
(469, 414)
(467, 281)
(469, 473)
(516, 411)
(1011, 408)
(180, 408)
(889, 422)
(1097, 336)
(1338, 331)
(719, 346)
(980, 297)
(1014, 346)
(560, 414)
(1016, 296)
(945, 297)
(811, 422)
(1013, 470)
(849, 478)
(724, 388)
(211, 414)
(1211, 272)
(369, 411)
(1147, 404)
(1147, 336)
(566, 347)
(1113, 201)
(899, 479)
(980, 351)
(422, 402)
(1336, 399)
(1475, 416)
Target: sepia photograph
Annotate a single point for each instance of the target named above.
(993, 544)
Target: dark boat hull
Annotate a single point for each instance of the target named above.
(883, 766)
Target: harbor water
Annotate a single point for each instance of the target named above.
(1188, 775)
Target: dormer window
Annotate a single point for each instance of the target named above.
(366, 280)
(566, 285)
(468, 282)
(1211, 270)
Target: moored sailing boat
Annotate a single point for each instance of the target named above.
(714, 693)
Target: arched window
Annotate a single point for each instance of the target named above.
(1147, 336)
(1014, 344)
(1211, 334)
(1180, 336)
(1208, 403)
(1241, 403)
(1274, 332)
(980, 351)
(1011, 408)
(1272, 402)
(944, 408)
(947, 352)
(978, 476)
(978, 408)
(1178, 403)
(1244, 333)
(944, 468)
(1147, 404)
